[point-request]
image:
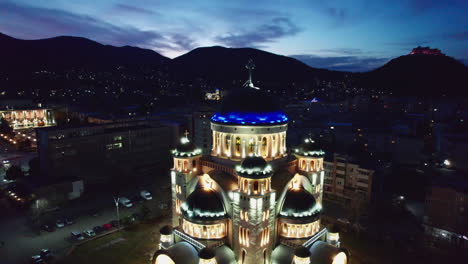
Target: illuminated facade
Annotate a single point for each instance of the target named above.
(249, 201)
(20, 119)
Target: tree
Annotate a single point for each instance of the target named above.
(5, 128)
(145, 212)
(14, 173)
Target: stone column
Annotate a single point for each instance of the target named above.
(233, 145)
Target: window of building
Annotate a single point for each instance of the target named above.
(116, 138)
(114, 146)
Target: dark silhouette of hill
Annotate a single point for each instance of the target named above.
(222, 64)
(423, 75)
(70, 52)
(427, 75)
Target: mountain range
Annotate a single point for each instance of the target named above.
(406, 75)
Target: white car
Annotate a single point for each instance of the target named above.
(89, 233)
(125, 202)
(146, 195)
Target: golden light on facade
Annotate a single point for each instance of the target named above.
(340, 258)
(213, 231)
(299, 230)
(299, 260)
(163, 259)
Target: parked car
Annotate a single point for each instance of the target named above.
(36, 259)
(98, 229)
(45, 253)
(115, 223)
(60, 223)
(146, 195)
(125, 202)
(77, 235)
(48, 228)
(89, 233)
(69, 221)
(107, 226)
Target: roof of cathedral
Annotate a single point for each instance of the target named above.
(186, 148)
(203, 204)
(250, 106)
(225, 180)
(254, 168)
(300, 204)
(184, 253)
(309, 147)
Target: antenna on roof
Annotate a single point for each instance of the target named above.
(250, 66)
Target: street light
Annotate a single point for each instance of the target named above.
(116, 201)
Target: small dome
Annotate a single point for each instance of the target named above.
(206, 253)
(203, 204)
(186, 148)
(254, 168)
(311, 148)
(299, 203)
(250, 106)
(165, 230)
(302, 252)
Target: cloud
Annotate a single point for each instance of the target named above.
(460, 36)
(133, 9)
(34, 22)
(342, 51)
(339, 15)
(342, 63)
(258, 36)
(421, 6)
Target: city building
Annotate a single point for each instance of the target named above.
(202, 129)
(346, 180)
(28, 118)
(248, 201)
(97, 153)
(426, 51)
(445, 216)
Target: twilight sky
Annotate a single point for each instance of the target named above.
(355, 35)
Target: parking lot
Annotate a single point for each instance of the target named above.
(21, 242)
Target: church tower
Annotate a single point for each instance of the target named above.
(186, 166)
(310, 163)
(253, 212)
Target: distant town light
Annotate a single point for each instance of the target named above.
(447, 162)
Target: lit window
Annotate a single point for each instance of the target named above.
(114, 146)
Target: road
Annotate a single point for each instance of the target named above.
(21, 242)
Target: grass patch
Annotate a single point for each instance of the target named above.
(140, 242)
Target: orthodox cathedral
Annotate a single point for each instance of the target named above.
(252, 201)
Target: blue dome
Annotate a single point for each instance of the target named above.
(249, 106)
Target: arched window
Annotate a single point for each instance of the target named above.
(185, 165)
(251, 146)
(194, 163)
(246, 184)
(264, 256)
(303, 165)
(264, 147)
(243, 256)
(255, 186)
(227, 142)
(312, 165)
(238, 146)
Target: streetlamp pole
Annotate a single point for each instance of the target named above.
(116, 201)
